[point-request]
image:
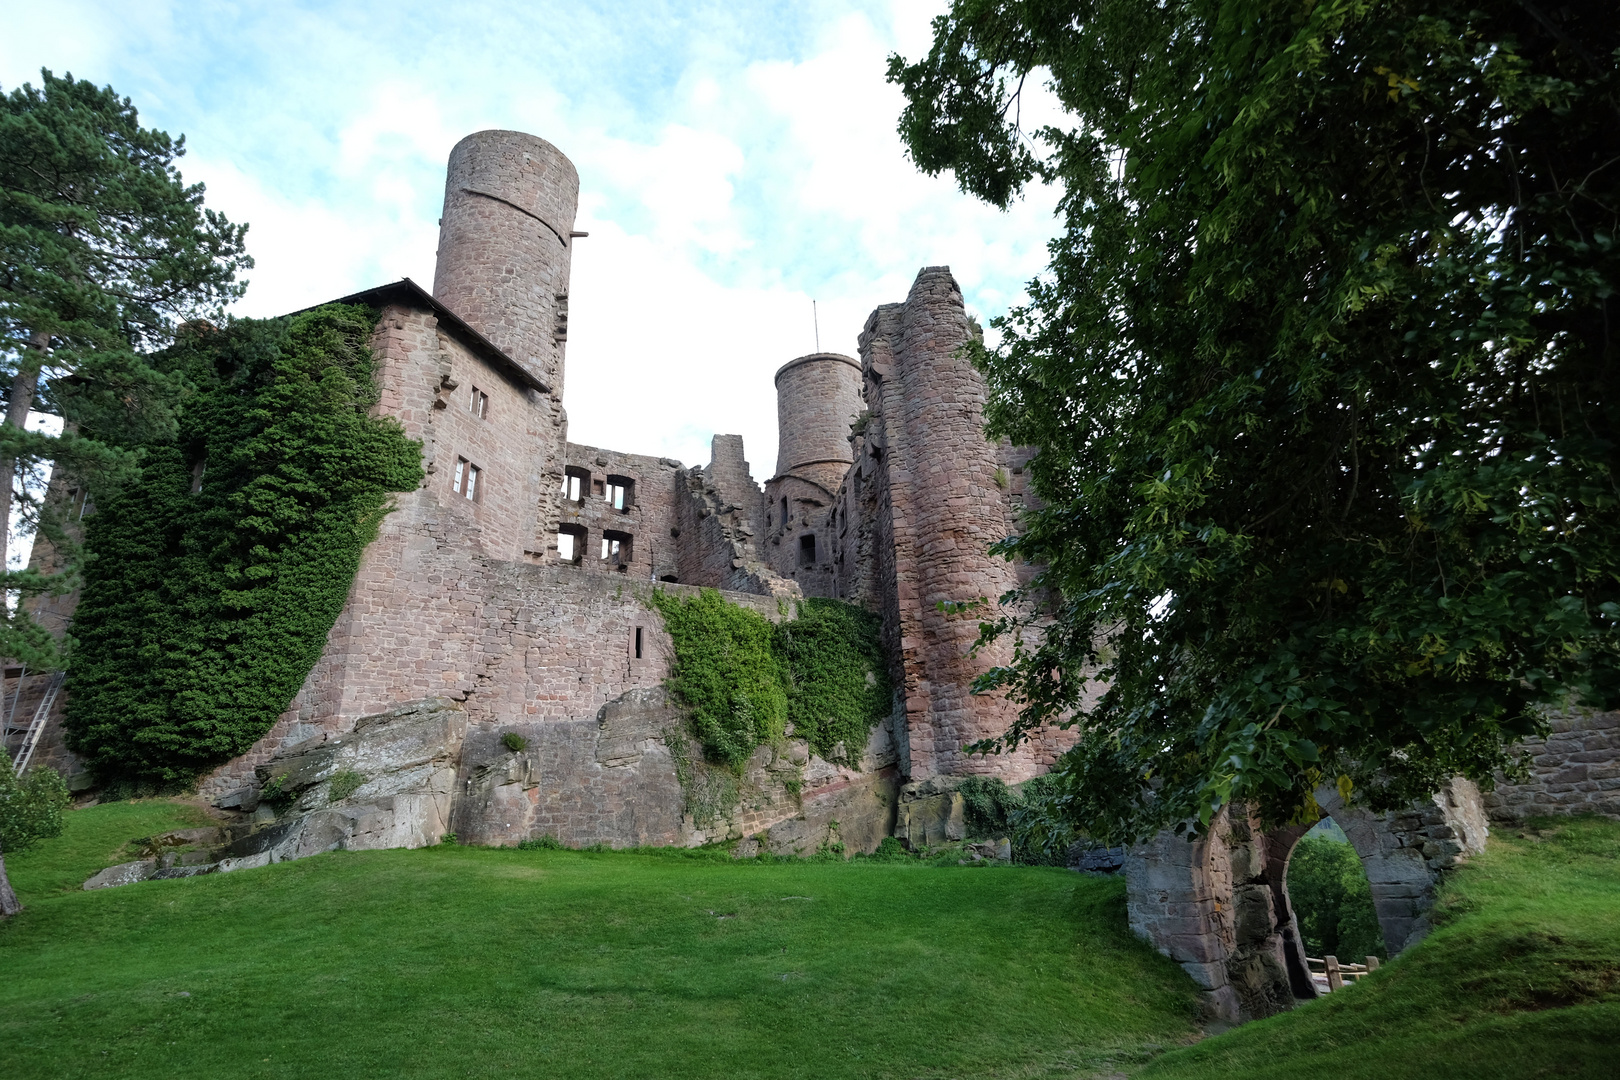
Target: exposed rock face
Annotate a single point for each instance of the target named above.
(387, 784)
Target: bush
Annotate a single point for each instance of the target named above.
(743, 678)
(1332, 900)
(514, 742)
(344, 783)
(541, 843)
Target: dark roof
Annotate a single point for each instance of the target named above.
(406, 291)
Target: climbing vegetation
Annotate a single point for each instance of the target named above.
(214, 575)
(743, 678)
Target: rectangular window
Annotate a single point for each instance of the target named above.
(576, 482)
(807, 550)
(596, 487)
(570, 544)
(638, 643)
(465, 481)
(616, 548)
(478, 403)
(621, 492)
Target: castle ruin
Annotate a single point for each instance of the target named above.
(503, 605)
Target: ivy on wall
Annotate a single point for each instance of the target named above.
(743, 679)
(213, 578)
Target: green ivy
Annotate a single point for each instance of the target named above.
(742, 678)
(204, 610)
(726, 673)
(838, 683)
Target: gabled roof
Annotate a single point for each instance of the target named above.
(405, 291)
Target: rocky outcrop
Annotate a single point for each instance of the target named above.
(387, 784)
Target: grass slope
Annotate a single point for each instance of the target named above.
(490, 963)
(1521, 979)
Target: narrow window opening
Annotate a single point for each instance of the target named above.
(638, 643)
(464, 481)
(784, 512)
(807, 549)
(596, 488)
(478, 403)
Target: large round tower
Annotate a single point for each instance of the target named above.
(817, 398)
(505, 242)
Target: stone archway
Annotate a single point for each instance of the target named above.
(1217, 904)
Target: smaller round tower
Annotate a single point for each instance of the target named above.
(817, 398)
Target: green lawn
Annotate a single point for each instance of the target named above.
(474, 962)
(454, 962)
(1522, 979)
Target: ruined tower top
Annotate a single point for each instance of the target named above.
(817, 398)
(505, 244)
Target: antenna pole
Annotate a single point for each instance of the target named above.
(816, 321)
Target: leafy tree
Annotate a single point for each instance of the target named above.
(1322, 376)
(1332, 899)
(103, 251)
(31, 810)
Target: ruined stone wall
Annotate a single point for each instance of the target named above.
(1574, 770)
(941, 506)
(1218, 905)
(648, 516)
(799, 543)
(719, 521)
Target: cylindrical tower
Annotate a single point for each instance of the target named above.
(505, 243)
(817, 398)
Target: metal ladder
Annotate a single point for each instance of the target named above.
(36, 727)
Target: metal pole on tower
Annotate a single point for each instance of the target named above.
(816, 321)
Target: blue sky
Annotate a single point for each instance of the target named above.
(735, 160)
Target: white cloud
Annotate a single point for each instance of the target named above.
(735, 162)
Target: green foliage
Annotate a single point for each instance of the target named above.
(1323, 379)
(742, 678)
(514, 742)
(541, 843)
(726, 673)
(31, 806)
(344, 782)
(203, 610)
(449, 838)
(837, 681)
(1332, 899)
(1029, 815)
(987, 801)
(103, 251)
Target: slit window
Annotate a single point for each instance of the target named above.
(576, 482)
(638, 643)
(784, 512)
(478, 403)
(570, 544)
(807, 549)
(465, 481)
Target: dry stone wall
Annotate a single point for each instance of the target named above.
(1574, 770)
